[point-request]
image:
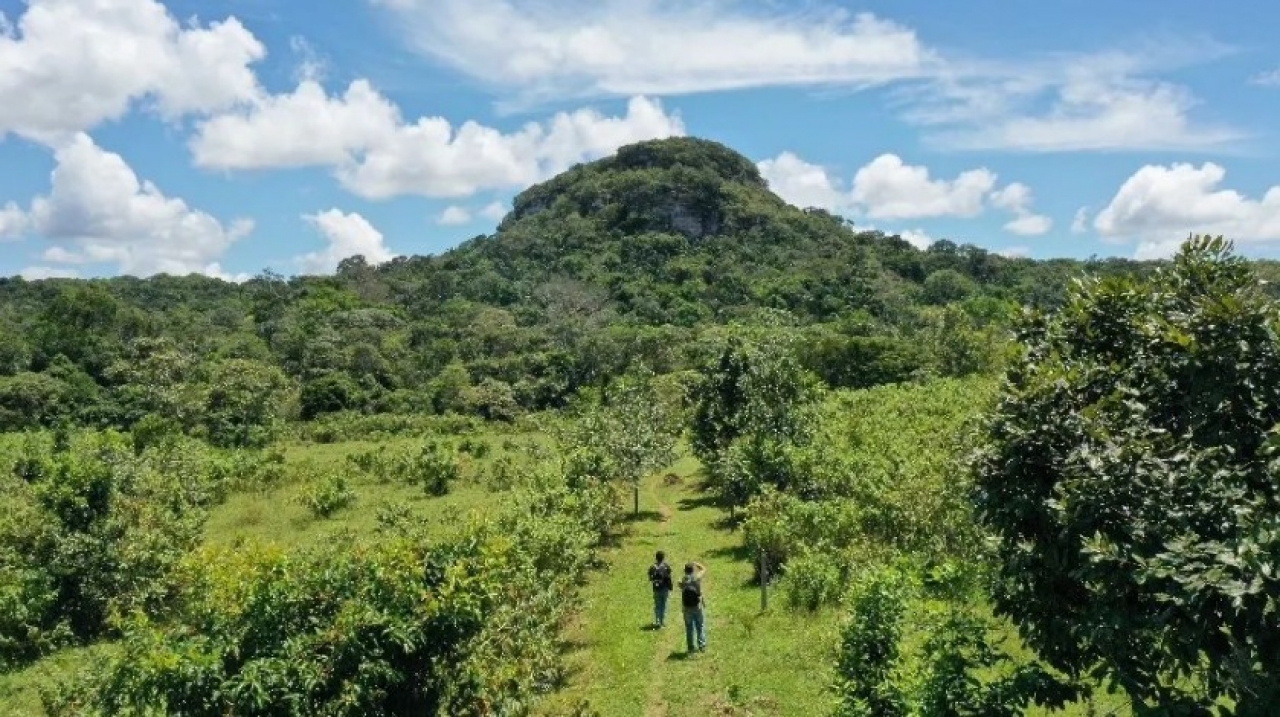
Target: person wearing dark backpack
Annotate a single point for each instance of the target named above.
(660, 579)
(692, 601)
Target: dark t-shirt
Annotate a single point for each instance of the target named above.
(660, 576)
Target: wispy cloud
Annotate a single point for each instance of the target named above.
(1270, 78)
(1106, 101)
(539, 50)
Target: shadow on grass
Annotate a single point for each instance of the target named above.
(649, 627)
(705, 500)
(734, 552)
(680, 656)
(644, 516)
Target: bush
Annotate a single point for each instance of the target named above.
(814, 580)
(432, 466)
(88, 529)
(476, 448)
(327, 495)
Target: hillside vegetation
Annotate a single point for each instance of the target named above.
(965, 484)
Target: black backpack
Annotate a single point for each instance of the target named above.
(690, 593)
(660, 576)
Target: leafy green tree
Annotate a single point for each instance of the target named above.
(32, 400)
(631, 434)
(328, 394)
(754, 393)
(155, 376)
(492, 399)
(244, 403)
(1130, 475)
(947, 285)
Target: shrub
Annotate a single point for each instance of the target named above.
(476, 448)
(432, 466)
(326, 495)
(88, 528)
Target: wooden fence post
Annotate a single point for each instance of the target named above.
(764, 582)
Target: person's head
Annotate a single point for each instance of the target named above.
(659, 557)
(688, 568)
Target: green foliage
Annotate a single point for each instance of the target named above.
(467, 626)
(881, 477)
(945, 286)
(1130, 476)
(244, 403)
(327, 494)
(432, 465)
(34, 400)
(958, 669)
(89, 528)
(751, 406)
(869, 648)
(328, 394)
(631, 433)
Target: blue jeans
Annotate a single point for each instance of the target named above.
(660, 606)
(695, 623)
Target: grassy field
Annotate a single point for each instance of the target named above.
(772, 663)
(275, 516)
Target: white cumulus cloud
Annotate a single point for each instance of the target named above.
(375, 154)
(1017, 198)
(36, 273)
(454, 215)
(918, 239)
(580, 48)
(304, 128)
(13, 221)
(1160, 205)
(346, 235)
(804, 184)
(889, 188)
(99, 211)
(494, 210)
(67, 65)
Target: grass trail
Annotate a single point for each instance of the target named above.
(775, 663)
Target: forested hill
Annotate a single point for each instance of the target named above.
(632, 257)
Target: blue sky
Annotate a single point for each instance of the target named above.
(227, 137)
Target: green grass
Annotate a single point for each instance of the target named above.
(20, 691)
(276, 517)
(774, 663)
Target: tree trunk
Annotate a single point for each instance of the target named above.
(635, 492)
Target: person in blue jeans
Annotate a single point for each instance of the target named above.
(691, 600)
(660, 579)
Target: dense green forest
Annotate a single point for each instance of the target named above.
(971, 484)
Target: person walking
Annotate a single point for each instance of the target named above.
(660, 579)
(691, 599)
